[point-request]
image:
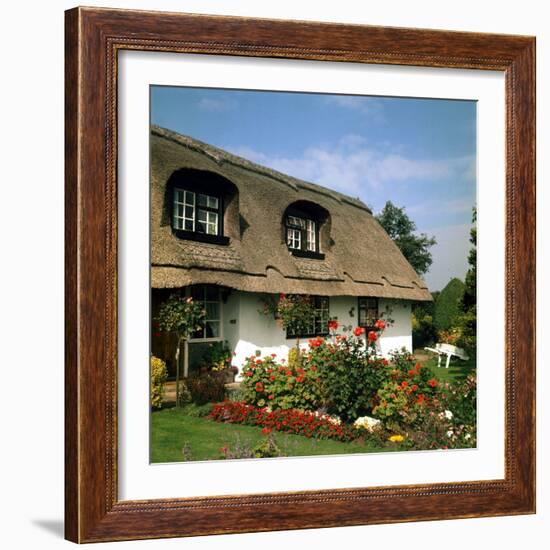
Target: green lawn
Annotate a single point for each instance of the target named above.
(458, 370)
(172, 430)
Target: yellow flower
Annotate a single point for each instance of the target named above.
(396, 438)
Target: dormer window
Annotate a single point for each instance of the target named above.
(302, 233)
(198, 215)
(196, 212)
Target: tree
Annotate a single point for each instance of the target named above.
(183, 317)
(468, 305)
(447, 306)
(469, 300)
(401, 229)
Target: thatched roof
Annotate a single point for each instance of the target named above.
(360, 258)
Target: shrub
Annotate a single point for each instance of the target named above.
(350, 371)
(423, 330)
(197, 411)
(451, 336)
(447, 305)
(467, 326)
(461, 398)
(304, 423)
(280, 386)
(430, 414)
(206, 388)
(159, 374)
(410, 391)
(217, 356)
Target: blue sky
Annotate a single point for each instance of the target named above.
(417, 153)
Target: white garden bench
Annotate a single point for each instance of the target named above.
(450, 351)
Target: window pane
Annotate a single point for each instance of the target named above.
(212, 223)
(189, 198)
(178, 196)
(311, 236)
(212, 329)
(188, 225)
(294, 238)
(202, 215)
(294, 221)
(201, 199)
(368, 312)
(319, 321)
(212, 310)
(212, 202)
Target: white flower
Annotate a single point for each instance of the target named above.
(366, 422)
(448, 415)
(332, 419)
(450, 433)
(467, 436)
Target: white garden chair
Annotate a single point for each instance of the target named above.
(450, 351)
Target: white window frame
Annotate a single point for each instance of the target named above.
(301, 231)
(294, 237)
(178, 220)
(311, 232)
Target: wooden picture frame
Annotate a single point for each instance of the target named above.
(93, 39)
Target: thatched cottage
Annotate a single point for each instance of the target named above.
(229, 232)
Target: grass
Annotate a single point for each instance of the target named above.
(457, 371)
(173, 429)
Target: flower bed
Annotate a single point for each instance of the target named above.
(308, 424)
(341, 389)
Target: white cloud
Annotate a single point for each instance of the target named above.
(351, 164)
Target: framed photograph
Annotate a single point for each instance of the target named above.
(300, 275)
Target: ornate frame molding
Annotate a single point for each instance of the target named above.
(93, 39)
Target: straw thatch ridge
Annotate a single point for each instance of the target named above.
(360, 258)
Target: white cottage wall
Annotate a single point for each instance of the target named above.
(230, 319)
(399, 334)
(256, 331)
